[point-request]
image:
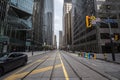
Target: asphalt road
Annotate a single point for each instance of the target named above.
(60, 65)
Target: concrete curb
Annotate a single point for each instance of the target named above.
(35, 53)
(100, 71)
(109, 61)
(96, 69)
(115, 62)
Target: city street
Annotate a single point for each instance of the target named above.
(61, 65)
(59, 39)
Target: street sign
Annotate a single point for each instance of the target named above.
(96, 20)
(110, 21)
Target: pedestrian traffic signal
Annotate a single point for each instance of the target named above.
(116, 37)
(88, 22)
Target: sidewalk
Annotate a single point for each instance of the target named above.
(35, 53)
(106, 57)
(103, 67)
(109, 57)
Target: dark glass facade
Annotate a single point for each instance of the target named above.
(17, 19)
(49, 22)
(38, 16)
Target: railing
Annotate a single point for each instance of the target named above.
(12, 19)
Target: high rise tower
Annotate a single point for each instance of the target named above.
(49, 22)
(67, 37)
(38, 23)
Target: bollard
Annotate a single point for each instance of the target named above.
(94, 56)
(84, 55)
(88, 55)
(79, 54)
(105, 56)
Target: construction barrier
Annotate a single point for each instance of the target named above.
(88, 55)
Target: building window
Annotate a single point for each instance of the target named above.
(105, 36)
(114, 25)
(91, 38)
(103, 25)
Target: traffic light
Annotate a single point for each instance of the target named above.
(116, 37)
(88, 22)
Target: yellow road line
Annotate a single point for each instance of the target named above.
(29, 65)
(52, 58)
(17, 76)
(64, 70)
(45, 69)
(26, 67)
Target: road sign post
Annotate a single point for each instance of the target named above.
(111, 37)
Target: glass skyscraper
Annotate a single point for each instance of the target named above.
(38, 25)
(49, 22)
(13, 29)
(25, 5)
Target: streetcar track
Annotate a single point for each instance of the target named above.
(89, 67)
(80, 78)
(39, 65)
(34, 68)
(51, 75)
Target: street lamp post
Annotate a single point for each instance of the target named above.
(32, 42)
(111, 41)
(45, 46)
(111, 35)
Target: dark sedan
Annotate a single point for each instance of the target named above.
(10, 61)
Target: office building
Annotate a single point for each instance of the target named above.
(55, 42)
(38, 24)
(49, 22)
(15, 20)
(60, 40)
(67, 35)
(96, 38)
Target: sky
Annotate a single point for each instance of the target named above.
(58, 8)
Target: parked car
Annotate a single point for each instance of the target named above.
(10, 61)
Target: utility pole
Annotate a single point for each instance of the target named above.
(111, 40)
(111, 35)
(32, 41)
